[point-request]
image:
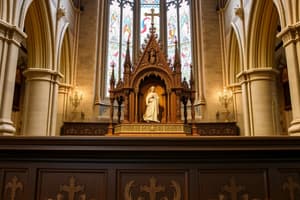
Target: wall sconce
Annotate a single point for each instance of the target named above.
(76, 98)
(225, 98)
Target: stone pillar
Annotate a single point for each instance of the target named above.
(291, 40)
(238, 106)
(40, 102)
(10, 39)
(260, 106)
(62, 111)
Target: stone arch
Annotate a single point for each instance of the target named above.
(38, 27)
(262, 31)
(64, 65)
(235, 56)
(279, 6)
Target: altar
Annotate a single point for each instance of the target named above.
(152, 95)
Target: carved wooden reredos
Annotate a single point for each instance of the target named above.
(152, 69)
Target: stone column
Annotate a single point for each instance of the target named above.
(63, 98)
(260, 105)
(291, 40)
(238, 106)
(40, 102)
(10, 39)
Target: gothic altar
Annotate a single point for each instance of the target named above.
(152, 72)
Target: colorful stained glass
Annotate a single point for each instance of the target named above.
(120, 31)
(185, 39)
(146, 22)
(149, 1)
(172, 31)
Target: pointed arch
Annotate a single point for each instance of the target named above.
(280, 8)
(40, 40)
(262, 31)
(64, 58)
(235, 58)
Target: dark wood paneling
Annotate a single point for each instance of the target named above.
(15, 184)
(100, 129)
(120, 168)
(160, 184)
(68, 183)
(233, 184)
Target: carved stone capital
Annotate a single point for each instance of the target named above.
(11, 33)
(38, 74)
(290, 34)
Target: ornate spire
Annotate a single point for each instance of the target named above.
(192, 79)
(127, 62)
(177, 60)
(112, 77)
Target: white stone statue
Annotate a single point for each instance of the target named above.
(152, 106)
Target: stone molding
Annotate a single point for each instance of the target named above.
(290, 34)
(11, 33)
(39, 74)
(257, 75)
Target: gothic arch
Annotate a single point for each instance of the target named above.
(262, 34)
(40, 38)
(64, 58)
(279, 6)
(23, 12)
(235, 56)
(151, 71)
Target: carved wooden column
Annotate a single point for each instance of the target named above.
(126, 107)
(10, 39)
(110, 130)
(178, 106)
(136, 102)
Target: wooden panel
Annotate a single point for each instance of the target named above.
(100, 129)
(126, 168)
(217, 129)
(233, 184)
(72, 184)
(15, 184)
(152, 184)
(289, 184)
(84, 128)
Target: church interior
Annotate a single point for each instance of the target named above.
(150, 99)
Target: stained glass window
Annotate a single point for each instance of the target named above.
(145, 21)
(122, 19)
(179, 29)
(120, 31)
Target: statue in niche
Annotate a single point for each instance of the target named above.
(152, 56)
(152, 106)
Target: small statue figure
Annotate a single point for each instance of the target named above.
(152, 106)
(152, 56)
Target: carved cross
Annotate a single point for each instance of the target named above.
(152, 189)
(233, 189)
(291, 186)
(152, 15)
(71, 189)
(13, 185)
